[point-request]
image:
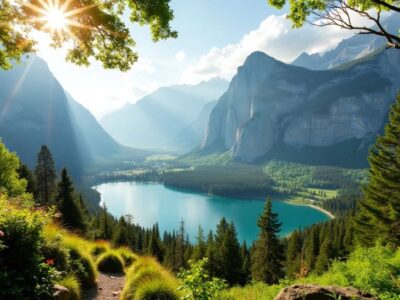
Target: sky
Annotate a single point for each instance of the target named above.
(214, 39)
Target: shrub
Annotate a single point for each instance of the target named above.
(110, 262)
(147, 279)
(199, 283)
(127, 256)
(59, 256)
(72, 284)
(83, 267)
(156, 290)
(99, 248)
(23, 272)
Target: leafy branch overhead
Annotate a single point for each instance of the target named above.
(342, 13)
(88, 29)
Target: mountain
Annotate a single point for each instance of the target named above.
(350, 49)
(35, 110)
(192, 135)
(275, 110)
(158, 118)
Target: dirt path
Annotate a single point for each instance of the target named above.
(109, 287)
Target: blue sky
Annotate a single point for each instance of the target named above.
(215, 36)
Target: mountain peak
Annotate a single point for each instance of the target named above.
(257, 57)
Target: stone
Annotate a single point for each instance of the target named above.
(315, 292)
(61, 293)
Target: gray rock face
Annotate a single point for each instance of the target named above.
(349, 49)
(270, 103)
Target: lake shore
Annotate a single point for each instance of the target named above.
(324, 211)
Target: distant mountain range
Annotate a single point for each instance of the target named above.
(275, 110)
(35, 110)
(167, 118)
(348, 50)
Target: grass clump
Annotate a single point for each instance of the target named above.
(110, 262)
(147, 280)
(99, 248)
(73, 285)
(127, 256)
(156, 290)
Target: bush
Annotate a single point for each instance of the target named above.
(72, 284)
(147, 279)
(23, 272)
(127, 256)
(156, 290)
(110, 262)
(98, 249)
(59, 256)
(83, 267)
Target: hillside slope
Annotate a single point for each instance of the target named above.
(156, 119)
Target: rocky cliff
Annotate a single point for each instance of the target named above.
(272, 109)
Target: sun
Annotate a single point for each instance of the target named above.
(55, 18)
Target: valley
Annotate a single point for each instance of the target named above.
(264, 169)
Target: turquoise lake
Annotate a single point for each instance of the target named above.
(151, 203)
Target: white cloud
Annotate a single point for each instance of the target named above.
(180, 56)
(275, 37)
(144, 65)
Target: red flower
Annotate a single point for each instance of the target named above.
(1, 234)
(50, 261)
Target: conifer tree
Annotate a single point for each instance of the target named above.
(294, 254)
(227, 253)
(180, 247)
(155, 248)
(45, 175)
(325, 254)
(267, 255)
(246, 266)
(120, 235)
(378, 216)
(72, 215)
(210, 254)
(200, 249)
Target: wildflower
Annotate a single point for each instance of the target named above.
(50, 261)
(1, 234)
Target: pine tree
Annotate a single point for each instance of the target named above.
(210, 254)
(180, 247)
(200, 249)
(45, 175)
(155, 248)
(120, 235)
(294, 255)
(69, 207)
(267, 255)
(227, 253)
(379, 211)
(325, 254)
(246, 266)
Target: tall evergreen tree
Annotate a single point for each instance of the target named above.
(155, 248)
(120, 234)
(180, 247)
(227, 253)
(294, 254)
(267, 255)
(45, 175)
(69, 207)
(325, 254)
(200, 249)
(379, 211)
